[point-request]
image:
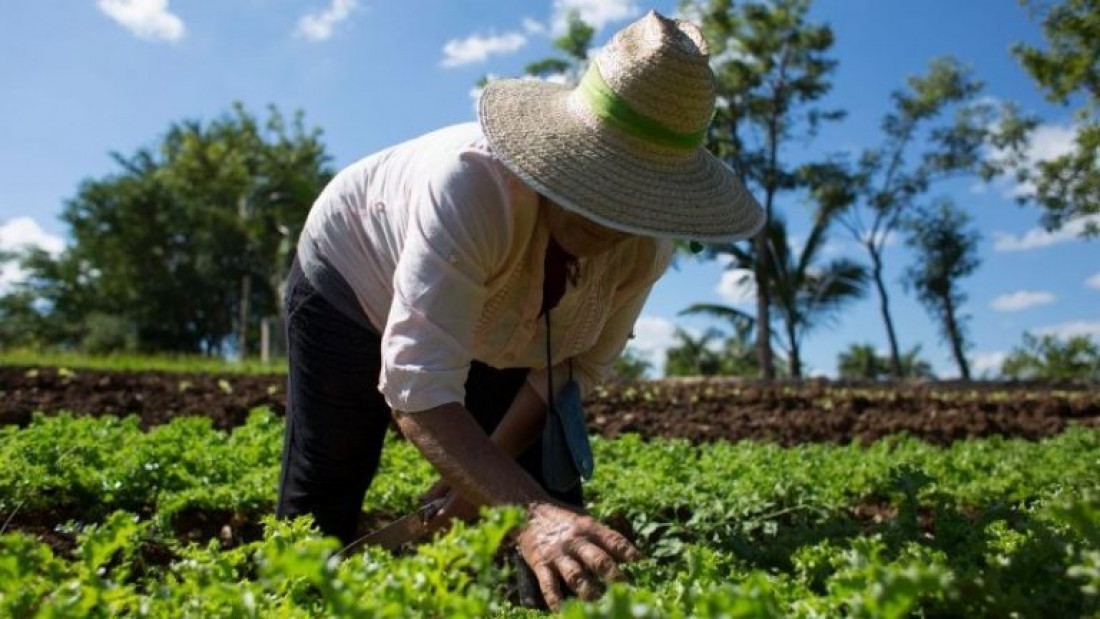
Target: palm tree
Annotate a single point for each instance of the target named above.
(739, 354)
(912, 366)
(861, 361)
(694, 356)
(804, 293)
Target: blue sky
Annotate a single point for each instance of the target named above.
(83, 79)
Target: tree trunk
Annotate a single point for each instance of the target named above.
(794, 364)
(763, 308)
(884, 309)
(242, 333)
(954, 335)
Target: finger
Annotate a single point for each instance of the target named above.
(618, 546)
(597, 561)
(576, 577)
(548, 584)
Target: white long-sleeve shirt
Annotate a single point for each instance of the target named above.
(444, 249)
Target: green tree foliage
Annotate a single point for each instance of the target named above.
(575, 42)
(1068, 69)
(946, 251)
(694, 356)
(934, 131)
(712, 354)
(631, 366)
(188, 242)
(862, 361)
(1050, 358)
(772, 65)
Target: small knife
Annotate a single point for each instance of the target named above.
(405, 529)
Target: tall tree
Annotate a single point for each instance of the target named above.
(1068, 69)
(168, 242)
(771, 65)
(946, 251)
(923, 142)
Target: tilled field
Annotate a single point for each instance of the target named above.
(699, 410)
(105, 516)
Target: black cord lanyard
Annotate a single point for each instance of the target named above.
(550, 370)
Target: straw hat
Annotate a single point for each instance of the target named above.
(625, 147)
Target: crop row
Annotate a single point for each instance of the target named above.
(983, 527)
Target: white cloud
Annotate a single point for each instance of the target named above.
(318, 26)
(23, 232)
(1037, 238)
(1066, 330)
(737, 286)
(653, 336)
(1093, 282)
(533, 26)
(1021, 300)
(596, 13)
(147, 19)
(985, 363)
(477, 48)
(1050, 142)
(19, 234)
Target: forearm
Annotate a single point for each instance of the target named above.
(465, 456)
(522, 424)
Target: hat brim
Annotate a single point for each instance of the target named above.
(611, 177)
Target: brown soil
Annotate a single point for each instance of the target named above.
(698, 410)
(155, 397)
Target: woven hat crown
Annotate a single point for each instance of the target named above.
(626, 148)
(660, 68)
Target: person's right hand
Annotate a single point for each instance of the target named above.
(559, 542)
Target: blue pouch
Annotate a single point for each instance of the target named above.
(566, 451)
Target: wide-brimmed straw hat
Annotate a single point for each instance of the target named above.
(625, 148)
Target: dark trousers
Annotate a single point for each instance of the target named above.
(336, 419)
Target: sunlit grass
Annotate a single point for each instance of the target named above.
(137, 362)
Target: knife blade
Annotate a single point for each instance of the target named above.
(405, 529)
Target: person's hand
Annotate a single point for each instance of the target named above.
(559, 542)
(454, 506)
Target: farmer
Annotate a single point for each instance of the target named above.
(477, 281)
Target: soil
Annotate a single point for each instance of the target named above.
(155, 397)
(699, 410)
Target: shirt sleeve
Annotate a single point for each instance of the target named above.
(458, 233)
(593, 366)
